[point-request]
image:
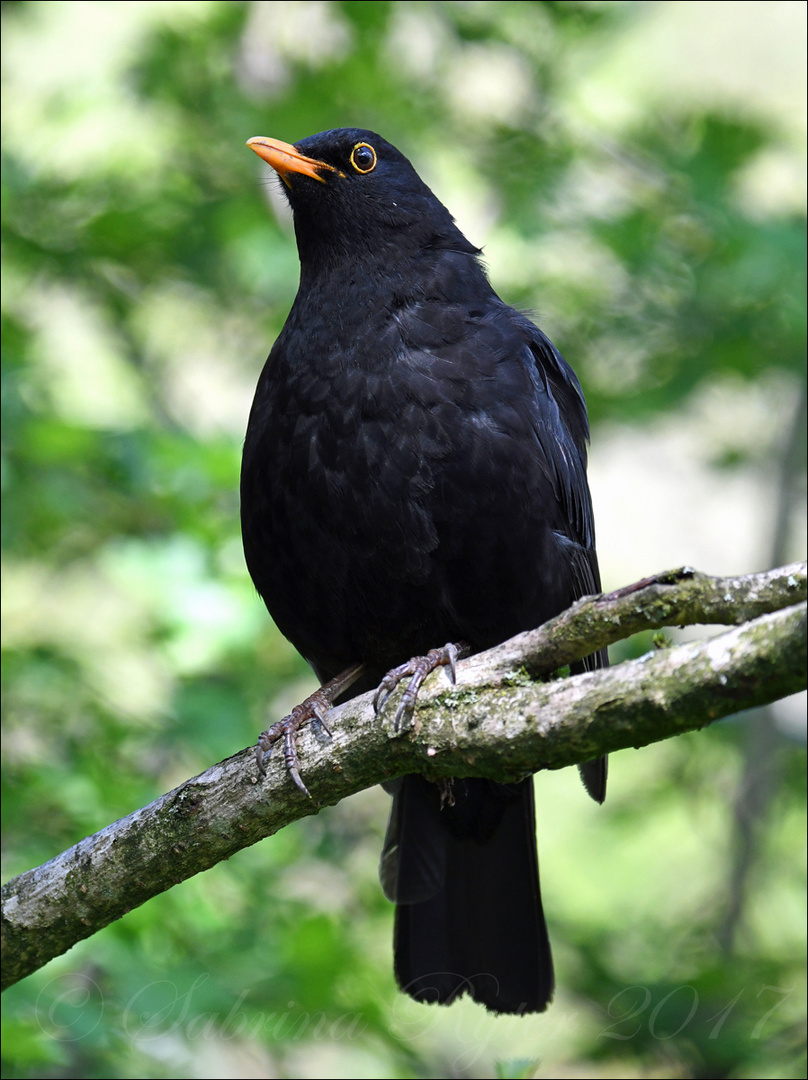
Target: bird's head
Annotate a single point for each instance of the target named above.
(352, 194)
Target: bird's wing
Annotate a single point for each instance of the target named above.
(563, 433)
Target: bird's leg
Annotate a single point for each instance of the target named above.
(416, 670)
(315, 707)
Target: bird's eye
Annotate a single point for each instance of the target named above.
(363, 158)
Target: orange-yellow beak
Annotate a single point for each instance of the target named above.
(284, 159)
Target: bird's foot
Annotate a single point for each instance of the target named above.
(416, 670)
(313, 709)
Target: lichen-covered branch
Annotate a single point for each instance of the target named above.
(499, 721)
(682, 597)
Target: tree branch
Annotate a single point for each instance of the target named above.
(497, 722)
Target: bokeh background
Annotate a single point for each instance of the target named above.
(635, 173)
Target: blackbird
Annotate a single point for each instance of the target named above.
(414, 474)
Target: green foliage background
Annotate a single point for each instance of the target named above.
(635, 171)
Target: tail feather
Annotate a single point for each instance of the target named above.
(463, 871)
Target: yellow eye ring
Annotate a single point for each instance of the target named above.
(363, 157)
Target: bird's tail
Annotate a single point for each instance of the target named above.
(460, 863)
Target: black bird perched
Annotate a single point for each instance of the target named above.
(414, 473)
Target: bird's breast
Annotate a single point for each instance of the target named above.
(391, 487)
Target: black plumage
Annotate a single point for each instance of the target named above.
(414, 473)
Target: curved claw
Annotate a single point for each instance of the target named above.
(452, 652)
(319, 716)
(292, 763)
(314, 708)
(406, 708)
(388, 685)
(286, 729)
(416, 670)
(295, 775)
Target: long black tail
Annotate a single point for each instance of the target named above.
(462, 867)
